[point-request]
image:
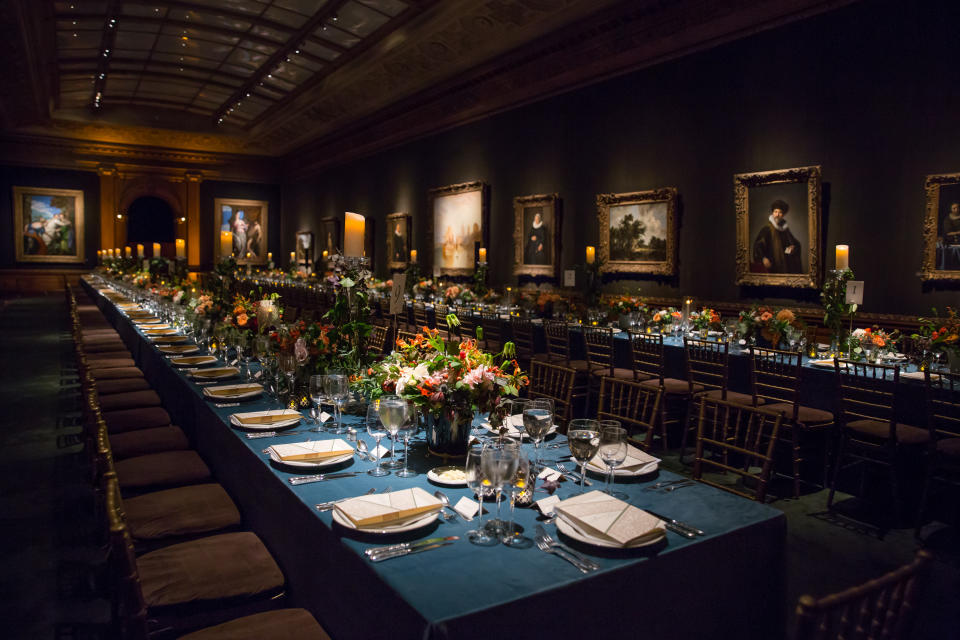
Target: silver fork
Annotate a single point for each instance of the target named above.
(550, 540)
(573, 474)
(543, 545)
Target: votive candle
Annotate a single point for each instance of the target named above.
(483, 254)
(181, 248)
(413, 255)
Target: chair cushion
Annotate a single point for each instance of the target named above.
(104, 346)
(548, 357)
(675, 386)
(120, 385)
(806, 415)
(280, 624)
(144, 441)
(166, 469)
(130, 400)
(732, 396)
(110, 363)
(578, 365)
(949, 447)
(117, 373)
(182, 511)
(881, 431)
(224, 566)
(131, 419)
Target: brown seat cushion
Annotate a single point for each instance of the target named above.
(131, 419)
(130, 400)
(578, 365)
(280, 624)
(674, 386)
(806, 415)
(144, 441)
(166, 469)
(120, 385)
(117, 373)
(949, 447)
(200, 508)
(732, 396)
(224, 566)
(881, 431)
(106, 350)
(628, 374)
(110, 363)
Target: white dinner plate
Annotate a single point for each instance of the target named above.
(149, 328)
(428, 519)
(193, 361)
(572, 531)
(169, 339)
(305, 464)
(254, 390)
(624, 473)
(220, 373)
(159, 332)
(294, 419)
(179, 349)
(434, 475)
(825, 364)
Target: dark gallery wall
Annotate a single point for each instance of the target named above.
(17, 176)
(868, 92)
(210, 190)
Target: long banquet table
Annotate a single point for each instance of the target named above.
(729, 583)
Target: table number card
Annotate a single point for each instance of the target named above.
(855, 292)
(396, 294)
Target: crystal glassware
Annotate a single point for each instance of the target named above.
(393, 411)
(583, 436)
(499, 461)
(537, 421)
(337, 386)
(613, 451)
(407, 429)
(377, 431)
(523, 478)
(481, 487)
(316, 395)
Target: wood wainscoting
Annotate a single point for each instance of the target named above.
(37, 281)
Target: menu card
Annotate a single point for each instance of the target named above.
(388, 508)
(610, 520)
(313, 450)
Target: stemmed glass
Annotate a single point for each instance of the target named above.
(393, 412)
(377, 431)
(514, 418)
(337, 386)
(316, 395)
(523, 478)
(583, 436)
(481, 487)
(288, 365)
(613, 451)
(499, 461)
(407, 429)
(244, 345)
(537, 420)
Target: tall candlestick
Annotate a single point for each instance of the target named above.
(226, 244)
(156, 249)
(413, 255)
(843, 257)
(483, 254)
(181, 248)
(128, 252)
(293, 257)
(139, 250)
(353, 231)
(591, 254)
(117, 253)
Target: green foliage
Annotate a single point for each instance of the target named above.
(836, 311)
(626, 237)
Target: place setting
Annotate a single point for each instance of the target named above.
(194, 361)
(178, 349)
(214, 373)
(386, 514)
(233, 392)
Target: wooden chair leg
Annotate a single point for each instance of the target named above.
(795, 440)
(691, 405)
(927, 479)
(838, 458)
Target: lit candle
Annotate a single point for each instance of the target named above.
(139, 250)
(413, 255)
(109, 252)
(128, 252)
(353, 231)
(269, 256)
(181, 248)
(483, 254)
(226, 244)
(117, 253)
(293, 257)
(591, 254)
(156, 249)
(249, 255)
(843, 257)
(325, 254)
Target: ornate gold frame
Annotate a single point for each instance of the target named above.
(741, 187)
(928, 266)
(264, 227)
(451, 190)
(78, 223)
(406, 218)
(551, 202)
(666, 267)
(300, 258)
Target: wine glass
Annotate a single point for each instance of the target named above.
(613, 451)
(288, 365)
(583, 436)
(244, 345)
(514, 417)
(393, 411)
(316, 394)
(499, 462)
(376, 430)
(337, 386)
(481, 487)
(523, 478)
(537, 420)
(407, 429)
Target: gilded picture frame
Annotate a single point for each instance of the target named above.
(777, 215)
(49, 225)
(329, 239)
(399, 227)
(941, 228)
(638, 232)
(304, 248)
(536, 235)
(248, 220)
(457, 227)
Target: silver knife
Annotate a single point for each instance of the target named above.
(270, 434)
(407, 552)
(320, 477)
(372, 551)
(678, 524)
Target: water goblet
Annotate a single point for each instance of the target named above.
(537, 420)
(337, 386)
(613, 451)
(393, 411)
(316, 394)
(288, 365)
(523, 478)
(407, 429)
(481, 487)
(499, 461)
(377, 431)
(583, 436)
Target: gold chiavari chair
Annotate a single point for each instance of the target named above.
(377, 341)
(440, 313)
(553, 381)
(648, 369)
(881, 608)
(521, 332)
(557, 334)
(406, 335)
(635, 405)
(739, 439)
(943, 423)
(775, 376)
(492, 331)
(469, 323)
(420, 315)
(870, 433)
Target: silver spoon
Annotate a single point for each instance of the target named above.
(442, 497)
(363, 450)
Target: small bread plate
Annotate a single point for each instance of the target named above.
(233, 391)
(179, 349)
(220, 373)
(193, 361)
(428, 519)
(452, 479)
(265, 420)
(574, 533)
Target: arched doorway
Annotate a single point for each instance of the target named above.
(149, 220)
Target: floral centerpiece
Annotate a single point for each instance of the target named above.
(871, 342)
(664, 319)
(768, 326)
(705, 319)
(447, 383)
(254, 316)
(425, 288)
(942, 334)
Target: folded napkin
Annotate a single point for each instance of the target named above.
(388, 508)
(284, 415)
(636, 460)
(187, 360)
(182, 348)
(149, 327)
(610, 520)
(233, 390)
(163, 339)
(918, 375)
(160, 332)
(313, 450)
(218, 372)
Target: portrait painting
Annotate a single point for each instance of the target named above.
(304, 252)
(778, 227)
(638, 231)
(49, 224)
(247, 221)
(329, 236)
(398, 240)
(536, 235)
(458, 213)
(941, 235)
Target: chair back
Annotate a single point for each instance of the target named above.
(943, 404)
(868, 392)
(707, 364)
(737, 439)
(420, 315)
(405, 335)
(599, 344)
(127, 602)
(521, 332)
(880, 608)
(557, 333)
(553, 381)
(647, 352)
(468, 323)
(440, 312)
(775, 375)
(492, 330)
(377, 341)
(633, 404)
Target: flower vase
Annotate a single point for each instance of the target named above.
(445, 437)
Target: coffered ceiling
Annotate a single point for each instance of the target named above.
(323, 79)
